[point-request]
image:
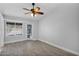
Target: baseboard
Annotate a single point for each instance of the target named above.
(14, 41)
(18, 41)
(65, 49)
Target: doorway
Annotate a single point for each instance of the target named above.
(29, 30)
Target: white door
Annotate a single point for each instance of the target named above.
(1, 31)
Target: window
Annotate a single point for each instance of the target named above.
(13, 28)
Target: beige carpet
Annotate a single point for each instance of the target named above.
(32, 48)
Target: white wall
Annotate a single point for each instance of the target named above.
(1, 31)
(9, 39)
(61, 27)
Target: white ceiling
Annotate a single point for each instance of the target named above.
(15, 9)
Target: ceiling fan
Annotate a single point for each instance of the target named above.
(34, 11)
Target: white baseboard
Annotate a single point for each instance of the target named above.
(18, 40)
(14, 41)
(65, 49)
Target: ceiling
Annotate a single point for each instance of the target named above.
(15, 9)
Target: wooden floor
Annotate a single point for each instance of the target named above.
(32, 48)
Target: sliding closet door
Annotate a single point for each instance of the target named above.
(1, 31)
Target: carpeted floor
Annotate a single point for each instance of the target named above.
(32, 48)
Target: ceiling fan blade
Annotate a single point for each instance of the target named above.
(27, 12)
(40, 13)
(26, 9)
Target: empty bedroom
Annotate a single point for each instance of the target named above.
(39, 29)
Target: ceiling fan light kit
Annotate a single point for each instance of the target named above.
(34, 11)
